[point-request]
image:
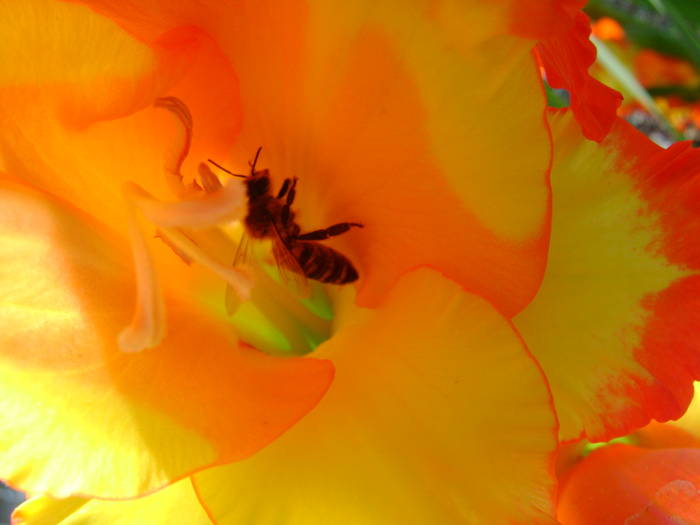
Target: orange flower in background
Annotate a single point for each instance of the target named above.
(653, 478)
(672, 81)
(655, 69)
(607, 28)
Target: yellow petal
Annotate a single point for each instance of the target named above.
(437, 415)
(45, 60)
(613, 322)
(172, 505)
(80, 416)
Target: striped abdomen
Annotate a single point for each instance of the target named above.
(322, 263)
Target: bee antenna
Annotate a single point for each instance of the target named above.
(255, 161)
(225, 170)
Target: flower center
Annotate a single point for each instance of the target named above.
(276, 319)
(202, 228)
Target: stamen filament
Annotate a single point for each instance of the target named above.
(226, 204)
(147, 327)
(238, 279)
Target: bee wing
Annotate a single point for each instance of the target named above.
(289, 269)
(291, 272)
(231, 299)
(242, 250)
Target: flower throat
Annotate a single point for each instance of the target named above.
(280, 308)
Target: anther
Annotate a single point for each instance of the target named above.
(173, 165)
(147, 326)
(210, 182)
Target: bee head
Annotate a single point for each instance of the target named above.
(258, 183)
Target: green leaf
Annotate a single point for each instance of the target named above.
(671, 27)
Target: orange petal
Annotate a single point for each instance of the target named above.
(81, 417)
(621, 484)
(437, 414)
(614, 324)
(566, 58)
(654, 69)
(397, 117)
(68, 79)
(47, 65)
(606, 28)
(174, 504)
(541, 19)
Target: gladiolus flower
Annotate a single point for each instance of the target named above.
(419, 402)
(625, 484)
(408, 397)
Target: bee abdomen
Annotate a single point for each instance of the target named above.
(323, 264)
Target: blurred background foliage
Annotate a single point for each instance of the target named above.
(661, 25)
(649, 50)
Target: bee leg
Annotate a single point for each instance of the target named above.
(288, 189)
(331, 231)
(291, 193)
(284, 188)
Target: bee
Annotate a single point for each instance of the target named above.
(271, 217)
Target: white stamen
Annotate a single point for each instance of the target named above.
(210, 182)
(240, 281)
(224, 205)
(147, 327)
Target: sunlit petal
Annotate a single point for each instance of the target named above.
(437, 415)
(176, 504)
(74, 407)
